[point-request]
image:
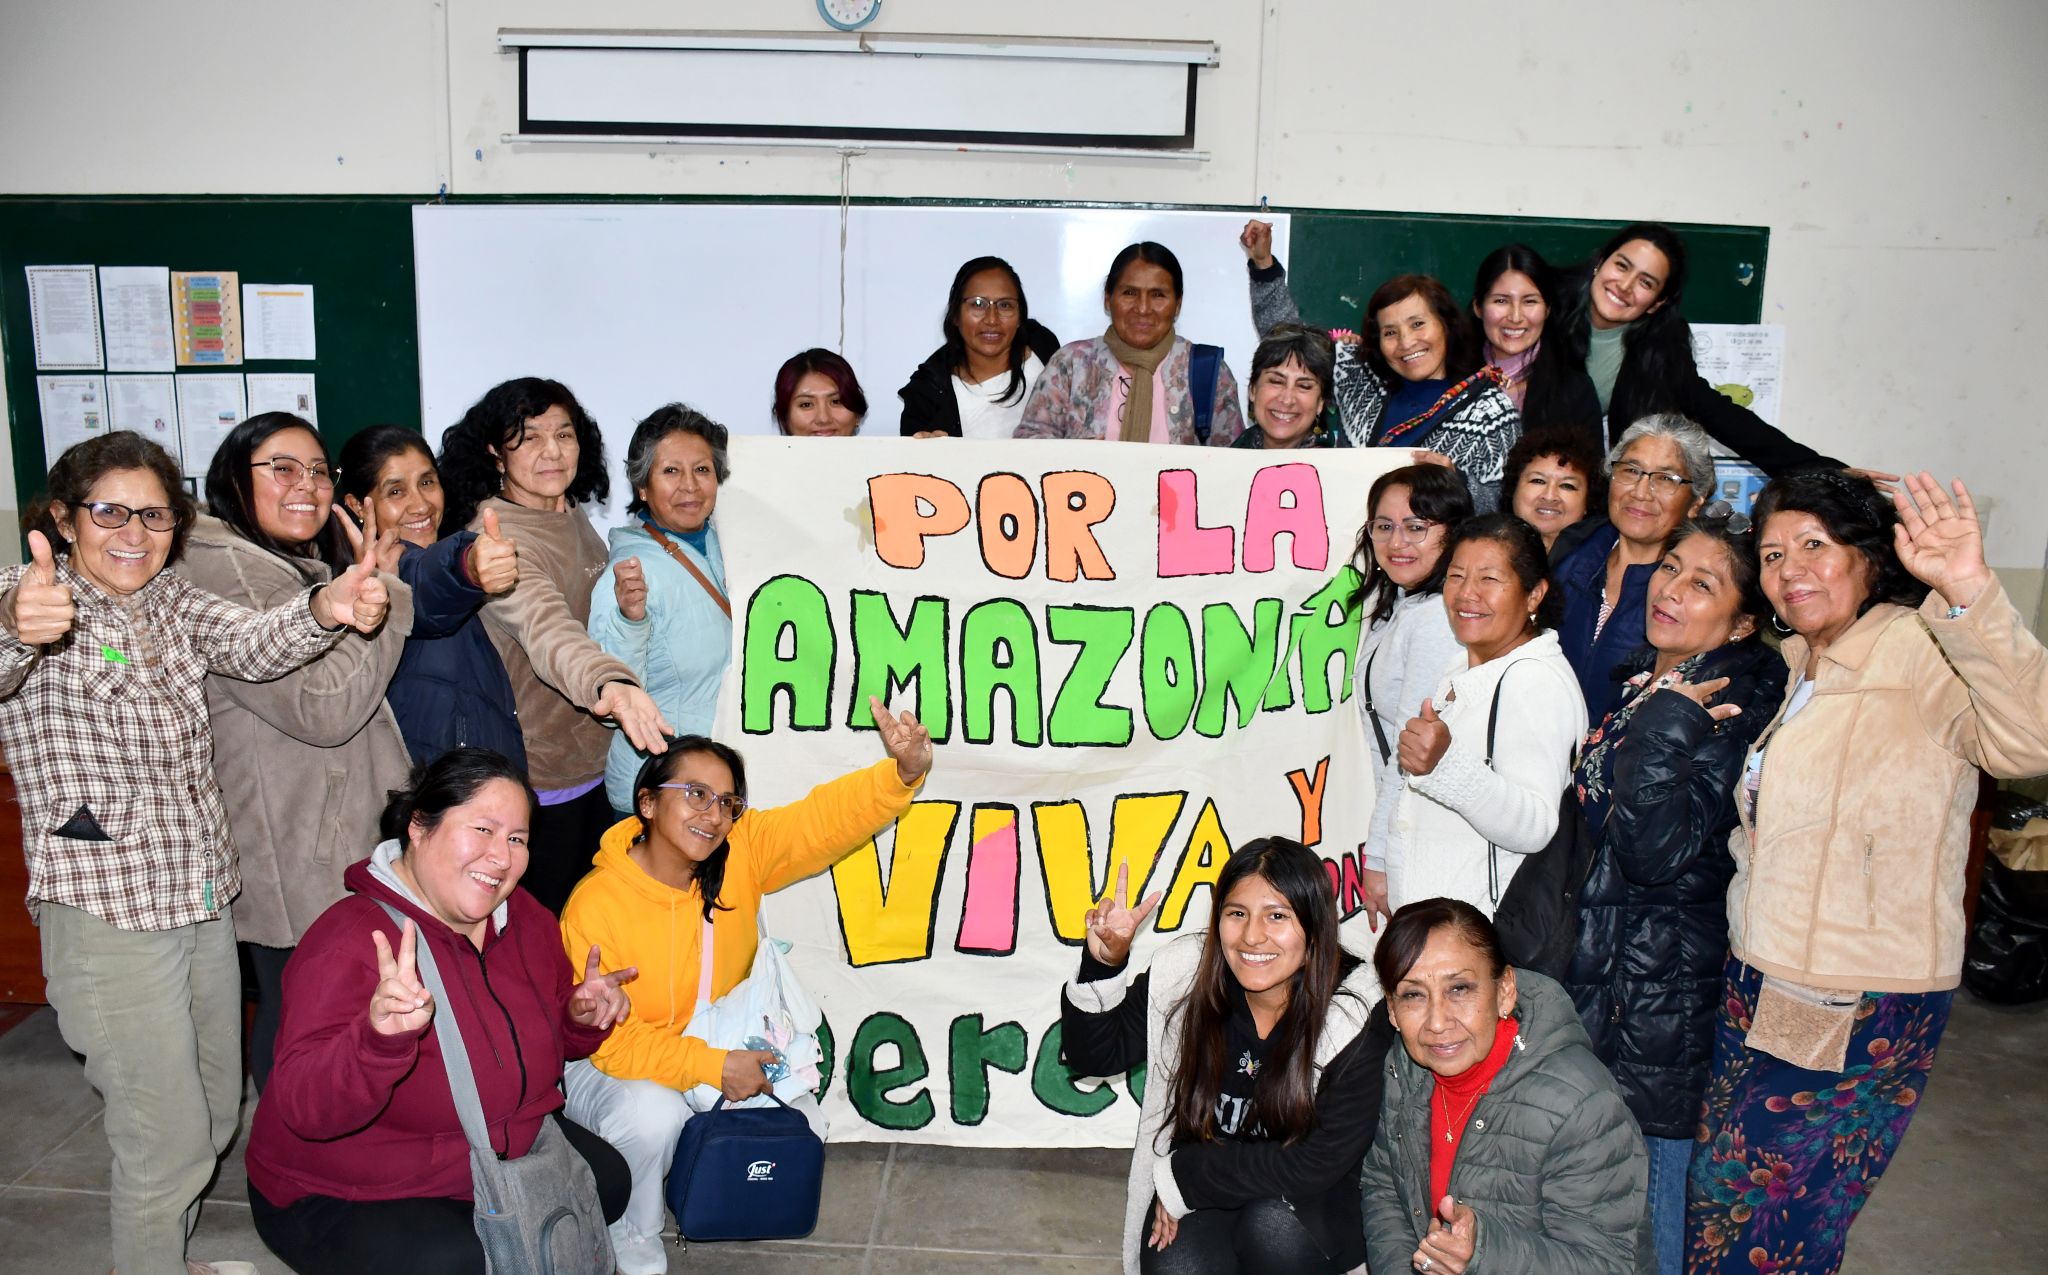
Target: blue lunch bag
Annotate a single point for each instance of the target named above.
(747, 1173)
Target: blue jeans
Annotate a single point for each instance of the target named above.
(1669, 1158)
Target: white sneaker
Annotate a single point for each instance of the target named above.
(640, 1255)
(220, 1268)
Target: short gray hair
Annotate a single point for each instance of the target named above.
(1693, 445)
(672, 418)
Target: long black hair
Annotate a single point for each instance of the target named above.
(1657, 359)
(659, 769)
(1284, 1094)
(493, 426)
(231, 496)
(956, 342)
(1435, 492)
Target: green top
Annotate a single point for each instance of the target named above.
(1603, 360)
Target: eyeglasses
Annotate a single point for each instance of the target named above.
(1415, 530)
(1005, 306)
(289, 471)
(1629, 474)
(105, 513)
(701, 799)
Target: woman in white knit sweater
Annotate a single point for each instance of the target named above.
(1408, 643)
(1465, 823)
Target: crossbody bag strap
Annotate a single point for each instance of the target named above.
(1493, 721)
(469, 1106)
(1379, 732)
(674, 551)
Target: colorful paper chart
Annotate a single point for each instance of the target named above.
(206, 310)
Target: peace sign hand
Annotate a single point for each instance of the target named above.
(1940, 540)
(493, 559)
(401, 1002)
(1112, 924)
(597, 1001)
(906, 739)
(379, 548)
(41, 609)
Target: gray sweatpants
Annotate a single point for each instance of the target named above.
(158, 1017)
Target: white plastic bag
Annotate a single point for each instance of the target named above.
(770, 1006)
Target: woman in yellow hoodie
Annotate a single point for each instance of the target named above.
(658, 878)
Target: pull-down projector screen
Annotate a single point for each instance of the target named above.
(940, 92)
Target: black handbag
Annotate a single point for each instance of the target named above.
(1537, 916)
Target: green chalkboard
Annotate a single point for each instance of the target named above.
(357, 254)
(1338, 258)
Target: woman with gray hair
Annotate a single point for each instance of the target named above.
(1659, 474)
(661, 606)
(1290, 390)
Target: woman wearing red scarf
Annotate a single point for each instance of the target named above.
(1500, 1133)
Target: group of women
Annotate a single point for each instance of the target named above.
(453, 674)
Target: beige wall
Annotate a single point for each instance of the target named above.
(1893, 148)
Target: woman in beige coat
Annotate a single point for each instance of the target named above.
(304, 760)
(1911, 672)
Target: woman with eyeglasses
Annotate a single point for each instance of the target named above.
(974, 385)
(691, 850)
(1140, 381)
(1658, 475)
(1408, 640)
(303, 760)
(104, 661)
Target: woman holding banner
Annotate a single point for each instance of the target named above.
(1263, 1071)
(693, 851)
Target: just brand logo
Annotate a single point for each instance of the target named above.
(761, 1171)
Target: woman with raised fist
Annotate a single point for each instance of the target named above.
(104, 657)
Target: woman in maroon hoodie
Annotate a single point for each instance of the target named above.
(357, 1160)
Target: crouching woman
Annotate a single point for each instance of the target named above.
(1264, 1077)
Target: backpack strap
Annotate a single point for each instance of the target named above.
(1205, 363)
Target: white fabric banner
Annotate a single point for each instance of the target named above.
(1124, 652)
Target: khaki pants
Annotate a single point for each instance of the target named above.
(158, 1017)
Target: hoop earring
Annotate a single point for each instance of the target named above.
(1784, 629)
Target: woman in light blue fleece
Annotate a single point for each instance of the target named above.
(660, 606)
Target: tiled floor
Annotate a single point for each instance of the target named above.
(1964, 1194)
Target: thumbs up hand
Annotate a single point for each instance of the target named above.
(629, 586)
(493, 558)
(40, 610)
(1423, 741)
(1453, 1238)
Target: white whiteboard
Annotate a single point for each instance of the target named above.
(636, 305)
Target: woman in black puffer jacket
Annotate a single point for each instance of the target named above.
(1657, 785)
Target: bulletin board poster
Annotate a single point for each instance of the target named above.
(206, 317)
(1126, 654)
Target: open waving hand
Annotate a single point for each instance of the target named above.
(401, 1002)
(1940, 540)
(634, 711)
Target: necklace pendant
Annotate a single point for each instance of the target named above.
(1447, 1135)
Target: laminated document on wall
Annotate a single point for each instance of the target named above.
(74, 408)
(148, 405)
(1745, 361)
(277, 320)
(135, 311)
(283, 392)
(206, 315)
(209, 405)
(64, 315)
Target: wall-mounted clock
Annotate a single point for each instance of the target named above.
(849, 15)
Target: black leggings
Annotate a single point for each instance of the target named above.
(564, 841)
(320, 1235)
(1262, 1238)
(267, 964)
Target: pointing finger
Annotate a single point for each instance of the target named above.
(591, 966)
(625, 975)
(348, 528)
(387, 965)
(408, 952)
(1145, 909)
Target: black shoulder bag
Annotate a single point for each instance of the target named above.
(1538, 914)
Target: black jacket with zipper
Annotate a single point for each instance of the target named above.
(928, 402)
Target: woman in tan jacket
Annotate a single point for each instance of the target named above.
(303, 760)
(528, 451)
(1911, 671)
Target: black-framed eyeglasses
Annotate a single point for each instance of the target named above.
(1005, 306)
(105, 513)
(289, 470)
(701, 799)
(1664, 483)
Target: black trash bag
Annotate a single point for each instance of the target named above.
(2005, 960)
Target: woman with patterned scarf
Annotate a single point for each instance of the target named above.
(1656, 784)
